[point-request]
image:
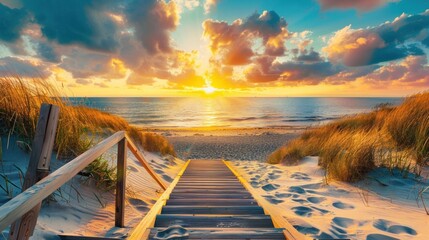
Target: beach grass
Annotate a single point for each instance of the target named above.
(79, 127)
(392, 137)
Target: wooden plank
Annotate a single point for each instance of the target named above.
(121, 177)
(75, 237)
(144, 163)
(141, 231)
(279, 221)
(212, 210)
(212, 202)
(211, 191)
(231, 233)
(209, 195)
(19, 205)
(38, 167)
(237, 221)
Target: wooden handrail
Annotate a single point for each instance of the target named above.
(143, 161)
(25, 201)
(278, 220)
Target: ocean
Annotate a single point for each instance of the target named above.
(232, 112)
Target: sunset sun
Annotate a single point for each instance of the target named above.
(209, 89)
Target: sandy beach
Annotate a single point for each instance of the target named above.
(227, 143)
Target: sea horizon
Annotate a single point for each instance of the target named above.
(175, 112)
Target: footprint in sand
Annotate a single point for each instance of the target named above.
(296, 189)
(273, 176)
(316, 200)
(344, 222)
(270, 187)
(272, 199)
(307, 230)
(340, 225)
(341, 205)
(303, 211)
(321, 210)
(139, 204)
(299, 200)
(167, 178)
(392, 227)
(254, 184)
(283, 195)
(132, 169)
(300, 176)
(377, 236)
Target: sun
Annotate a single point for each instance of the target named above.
(209, 89)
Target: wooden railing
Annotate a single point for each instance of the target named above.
(34, 195)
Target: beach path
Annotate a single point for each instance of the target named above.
(209, 202)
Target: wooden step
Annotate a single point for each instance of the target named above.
(209, 187)
(226, 210)
(205, 190)
(76, 237)
(212, 202)
(232, 233)
(237, 221)
(209, 195)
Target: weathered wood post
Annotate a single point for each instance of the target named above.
(121, 184)
(38, 167)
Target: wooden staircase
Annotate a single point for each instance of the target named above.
(209, 202)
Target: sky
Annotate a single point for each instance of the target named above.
(257, 48)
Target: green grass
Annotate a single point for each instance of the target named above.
(393, 137)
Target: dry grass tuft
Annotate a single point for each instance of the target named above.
(20, 102)
(394, 137)
(152, 142)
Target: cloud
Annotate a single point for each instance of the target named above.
(10, 66)
(209, 4)
(266, 70)
(90, 64)
(12, 22)
(188, 4)
(308, 56)
(405, 36)
(232, 43)
(153, 21)
(361, 5)
(82, 22)
(412, 71)
(47, 52)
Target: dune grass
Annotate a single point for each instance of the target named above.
(393, 137)
(79, 127)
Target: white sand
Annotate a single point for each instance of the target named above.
(364, 210)
(76, 209)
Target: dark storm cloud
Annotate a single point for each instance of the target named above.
(12, 22)
(82, 22)
(47, 52)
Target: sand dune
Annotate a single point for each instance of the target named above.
(364, 210)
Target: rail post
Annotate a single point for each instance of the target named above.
(120, 183)
(38, 167)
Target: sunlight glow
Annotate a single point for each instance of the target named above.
(209, 89)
